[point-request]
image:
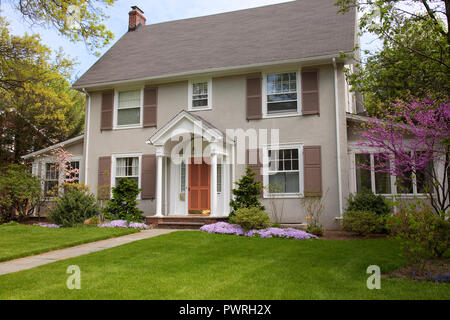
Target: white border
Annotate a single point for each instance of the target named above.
(268, 195)
(113, 169)
(266, 115)
(191, 82)
(116, 106)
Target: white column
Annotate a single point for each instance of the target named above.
(213, 182)
(159, 168)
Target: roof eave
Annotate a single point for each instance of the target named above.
(230, 69)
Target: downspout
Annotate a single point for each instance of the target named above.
(338, 136)
(86, 136)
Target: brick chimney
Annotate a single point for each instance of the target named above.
(136, 18)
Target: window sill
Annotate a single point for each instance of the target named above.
(281, 115)
(128, 127)
(283, 196)
(200, 109)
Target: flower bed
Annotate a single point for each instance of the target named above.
(123, 224)
(47, 225)
(227, 228)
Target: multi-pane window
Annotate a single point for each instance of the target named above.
(219, 178)
(74, 167)
(200, 94)
(129, 108)
(284, 173)
(382, 177)
(423, 178)
(372, 172)
(281, 92)
(363, 175)
(51, 177)
(127, 168)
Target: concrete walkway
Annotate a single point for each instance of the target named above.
(71, 252)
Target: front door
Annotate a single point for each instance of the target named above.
(199, 188)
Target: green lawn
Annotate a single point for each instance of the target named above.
(196, 265)
(18, 241)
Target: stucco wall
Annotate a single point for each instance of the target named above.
(229, 111)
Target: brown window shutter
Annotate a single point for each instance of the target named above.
(254, 97)
(310, 92)
(104, 178)
(148, 182)
(254, 161)
(312, 162)
(107, 110)
(150, 106)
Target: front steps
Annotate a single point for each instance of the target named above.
(181, 222)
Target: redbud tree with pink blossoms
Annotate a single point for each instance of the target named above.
(414, 136)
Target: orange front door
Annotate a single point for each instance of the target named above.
(199, 188)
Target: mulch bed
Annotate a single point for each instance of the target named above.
(344, 235)
(437, 270)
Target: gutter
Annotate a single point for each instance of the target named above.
(338, 137)
(86, 133)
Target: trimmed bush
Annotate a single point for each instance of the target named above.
(123, 205)
(363, 222)
(247, 194)
(368, 201)
(251, 218)
(74, 206)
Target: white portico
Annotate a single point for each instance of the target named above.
(194, 168)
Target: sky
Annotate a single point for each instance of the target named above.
(155, 11)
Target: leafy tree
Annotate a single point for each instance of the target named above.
(123, 205)
(417, 135)
(20, 193)
(78, 20)
(37, 106)
(247, 193)
(414, 61)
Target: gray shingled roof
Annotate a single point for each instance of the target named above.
(287, 31)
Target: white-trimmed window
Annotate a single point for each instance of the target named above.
(128, 167)
(368, 179)
(281, 93)
(200, 92)
(51, 177)
(128, 111)
(283, 174)
(74, 177)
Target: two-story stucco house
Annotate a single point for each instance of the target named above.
(272, 75)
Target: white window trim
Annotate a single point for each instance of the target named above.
(116, 109)
(42, 172)
(190, 94)
(114, 158)
(266, 193)
(372, 177)
(266, 115)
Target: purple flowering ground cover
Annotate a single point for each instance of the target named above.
(124, 224)
(227, 228)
